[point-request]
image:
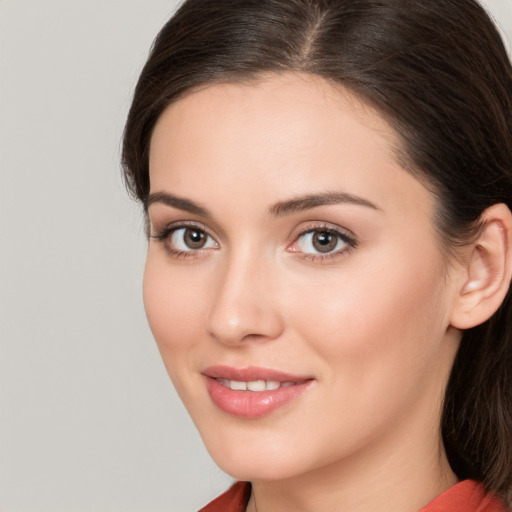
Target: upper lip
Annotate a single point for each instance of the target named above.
(251, 373)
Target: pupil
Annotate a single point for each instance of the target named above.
(324, 241)
(194, 238)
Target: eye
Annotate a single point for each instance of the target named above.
(184, 241)
(188, 239)
(322, 241)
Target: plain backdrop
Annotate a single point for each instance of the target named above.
(88, 418)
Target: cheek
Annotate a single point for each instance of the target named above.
(174, 307)
(378, 324)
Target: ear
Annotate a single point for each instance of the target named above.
(487, 270)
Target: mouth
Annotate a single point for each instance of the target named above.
(255, 385)
(252, 392)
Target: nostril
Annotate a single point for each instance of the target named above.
(243, 307)
(256, 325)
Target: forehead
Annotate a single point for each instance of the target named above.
(272, 101)
(282, 135)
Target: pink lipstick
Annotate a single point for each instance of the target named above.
(252, 392)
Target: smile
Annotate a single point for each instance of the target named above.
(252, 392)
(254, 385)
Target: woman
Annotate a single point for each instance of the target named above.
(327, 186)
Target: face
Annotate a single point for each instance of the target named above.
(294, 282)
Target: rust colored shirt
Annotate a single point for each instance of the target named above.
(466, 496)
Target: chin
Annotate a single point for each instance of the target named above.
(256, 470)
(260, 456)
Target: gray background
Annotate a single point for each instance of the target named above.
(88, 419)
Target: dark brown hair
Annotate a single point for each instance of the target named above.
(438, 71)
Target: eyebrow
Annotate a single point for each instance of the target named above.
(176, 202)
(307, 202)
(280, 209)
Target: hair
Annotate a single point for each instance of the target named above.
(438, 72)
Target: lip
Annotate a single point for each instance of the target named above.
(252, 404)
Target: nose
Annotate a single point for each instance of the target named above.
(244, 306)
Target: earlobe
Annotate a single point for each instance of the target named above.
(487, 270)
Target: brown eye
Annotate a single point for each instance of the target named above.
(323, 241)
(189, 239)
(194, 238)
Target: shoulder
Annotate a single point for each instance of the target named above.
(466, 496)
(233, 500)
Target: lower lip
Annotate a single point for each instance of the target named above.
(252, 404)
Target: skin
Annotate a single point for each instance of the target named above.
(371, 324)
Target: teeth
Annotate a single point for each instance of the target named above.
(254, 385)
(238, 386)
(273, 384)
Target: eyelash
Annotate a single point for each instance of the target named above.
(163, 235)
(346, 236)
